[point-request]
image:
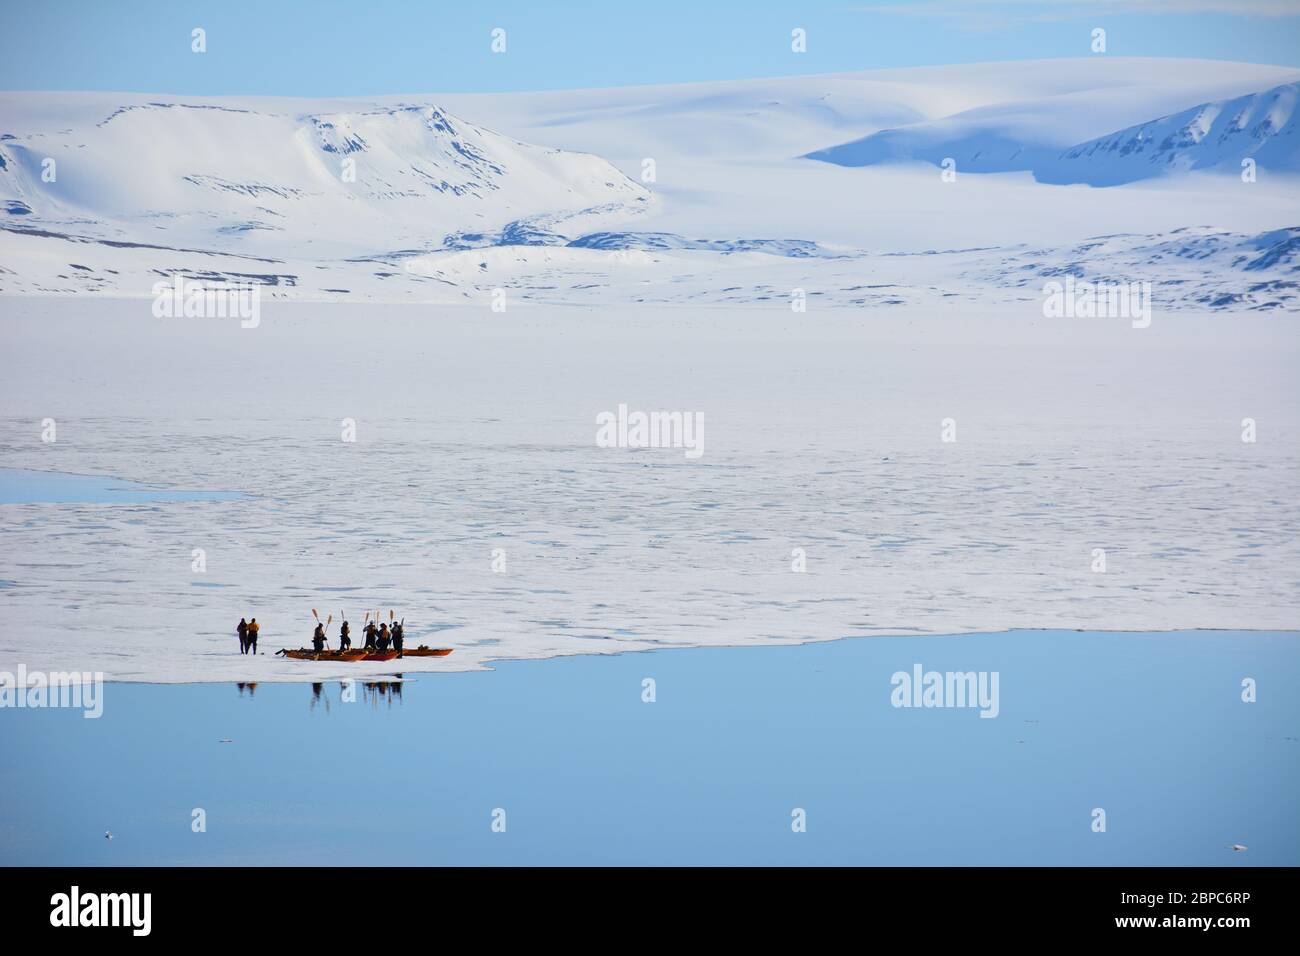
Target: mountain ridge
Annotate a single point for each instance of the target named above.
(1211, 135)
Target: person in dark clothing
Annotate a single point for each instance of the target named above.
(253, 628)
(370, 635)
(345, 637)
(397, 639)
(242, 631)
(384, 638)
(318, 638)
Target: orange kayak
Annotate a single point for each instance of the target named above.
(303, 654)
(425, 651)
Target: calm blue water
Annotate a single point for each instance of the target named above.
(18, 486)
(1150, 727)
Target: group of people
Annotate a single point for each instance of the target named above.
(247, 632)
(378, 638)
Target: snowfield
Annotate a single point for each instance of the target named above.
(477, 432)
(646, 246)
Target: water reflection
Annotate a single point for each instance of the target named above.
(373, 692)
(383, 690)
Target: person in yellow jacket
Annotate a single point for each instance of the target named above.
(253, 628)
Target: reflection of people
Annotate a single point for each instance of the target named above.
(242, 631)
(345, 637)
(318, 638)
(253, 628)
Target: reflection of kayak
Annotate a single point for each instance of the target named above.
(426, 651)
(303, 654)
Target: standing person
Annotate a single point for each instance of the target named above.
(370, 635)
(318, 638)
(345, 636)
(253, 628)
(397, 639)
(383, 638)
(242, 631)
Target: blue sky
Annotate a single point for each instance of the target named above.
(359, 47)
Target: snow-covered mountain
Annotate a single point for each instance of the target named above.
(1209, 136)
(1214, 135)
(246, 180)
(688, 194)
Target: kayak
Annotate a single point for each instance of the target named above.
(425, 651)
(303, 654)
